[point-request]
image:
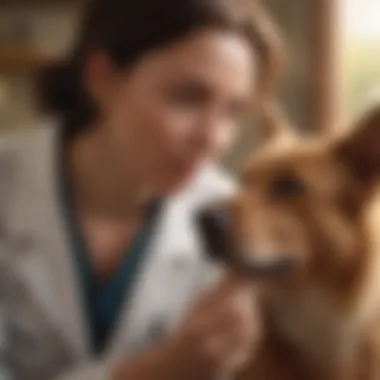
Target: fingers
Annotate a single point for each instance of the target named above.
(236, 360)
(233, 298)
(225, 326)
(232, 331)
(231, 337)
(230, 349)
(232, 285)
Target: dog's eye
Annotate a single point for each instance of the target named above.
(287, 186)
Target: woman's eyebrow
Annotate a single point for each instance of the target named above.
(195, 78)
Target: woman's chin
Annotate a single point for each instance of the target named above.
(175, 180)
(177, 183)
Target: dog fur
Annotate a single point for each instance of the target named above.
(316, 203)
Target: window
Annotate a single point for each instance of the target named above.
(361, 54)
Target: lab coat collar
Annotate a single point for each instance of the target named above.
(48, 268)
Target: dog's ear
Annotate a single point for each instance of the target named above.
(275, 124)
(360, 149)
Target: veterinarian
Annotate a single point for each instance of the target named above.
(103, 275)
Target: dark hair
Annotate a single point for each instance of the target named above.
(126, 29)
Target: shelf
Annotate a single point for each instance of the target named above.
(14, 57)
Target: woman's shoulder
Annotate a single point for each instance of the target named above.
(23, 152)
(21, 140)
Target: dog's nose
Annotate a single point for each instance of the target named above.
(215, 227)
(214, 224)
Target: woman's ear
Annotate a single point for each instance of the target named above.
(99, 76)
(360, 149)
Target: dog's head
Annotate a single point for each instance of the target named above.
(300, 206)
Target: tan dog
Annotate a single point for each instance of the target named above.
(310, 210)
(313, 208)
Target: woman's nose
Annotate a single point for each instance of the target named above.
(212, 136)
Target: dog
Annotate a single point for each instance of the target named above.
(305, 224)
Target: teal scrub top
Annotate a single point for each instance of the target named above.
(104, 301)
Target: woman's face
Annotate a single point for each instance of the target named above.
(178, 108)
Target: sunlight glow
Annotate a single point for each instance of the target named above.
(362, 18)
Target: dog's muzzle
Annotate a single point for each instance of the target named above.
(215, 227)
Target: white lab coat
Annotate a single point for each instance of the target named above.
(43, 332)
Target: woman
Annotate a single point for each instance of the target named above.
(102, 265)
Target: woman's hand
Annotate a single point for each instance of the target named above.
(217, 338)
(219, 335)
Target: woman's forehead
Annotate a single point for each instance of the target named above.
(208, 56)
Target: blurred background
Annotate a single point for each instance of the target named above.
(333, 54)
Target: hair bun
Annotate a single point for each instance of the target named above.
(61, 92)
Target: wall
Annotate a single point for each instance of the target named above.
(49, 29)
(295, 20)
